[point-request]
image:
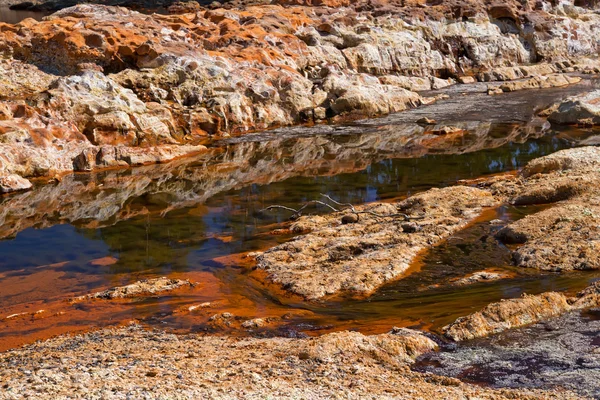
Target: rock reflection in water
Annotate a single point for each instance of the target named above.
(191, 219)
(375, 165)
(564, 352)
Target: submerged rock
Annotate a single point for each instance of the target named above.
(140, 288)
(481, 276)
(336, 258)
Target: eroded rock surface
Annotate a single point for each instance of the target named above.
(144, 287)
(513, 313)
(93, 76)
(359, 257)
(565, 236)
(194, 366)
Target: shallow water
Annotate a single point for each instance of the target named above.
(196, 218)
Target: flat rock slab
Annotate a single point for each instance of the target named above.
(563, 238)
(566, 236)
(144, 287)
(336, 258)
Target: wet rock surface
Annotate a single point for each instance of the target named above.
(144, 287)
(336, 258)
(193, 366)
(562, 352)
(563, 237)
(514, 313)
(577, 110)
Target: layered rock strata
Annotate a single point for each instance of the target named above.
(90, 85)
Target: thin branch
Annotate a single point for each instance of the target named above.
(282, 207)
(298, 213)
(338, 203)
(318, 202)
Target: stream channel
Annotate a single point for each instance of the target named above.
(197, 218)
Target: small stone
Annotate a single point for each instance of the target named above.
(350, 219)
(151, 374)
(303, 355)
(410, 227)
(466, 79)
(254, 323)
(445, 130)
(426, 121)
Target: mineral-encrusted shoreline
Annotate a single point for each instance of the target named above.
(132, 362)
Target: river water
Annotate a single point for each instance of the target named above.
(198, 218)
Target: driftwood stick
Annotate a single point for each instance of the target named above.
(278, 206)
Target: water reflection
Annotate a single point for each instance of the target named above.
(191, 218)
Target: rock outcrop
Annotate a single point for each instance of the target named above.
(513, 313)
(90, 83)
(577, 110)
(357, 258)
(565, 236)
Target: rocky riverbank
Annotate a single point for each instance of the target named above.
(132, 362)
(95, 86)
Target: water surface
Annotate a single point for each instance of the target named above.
(197, 218)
